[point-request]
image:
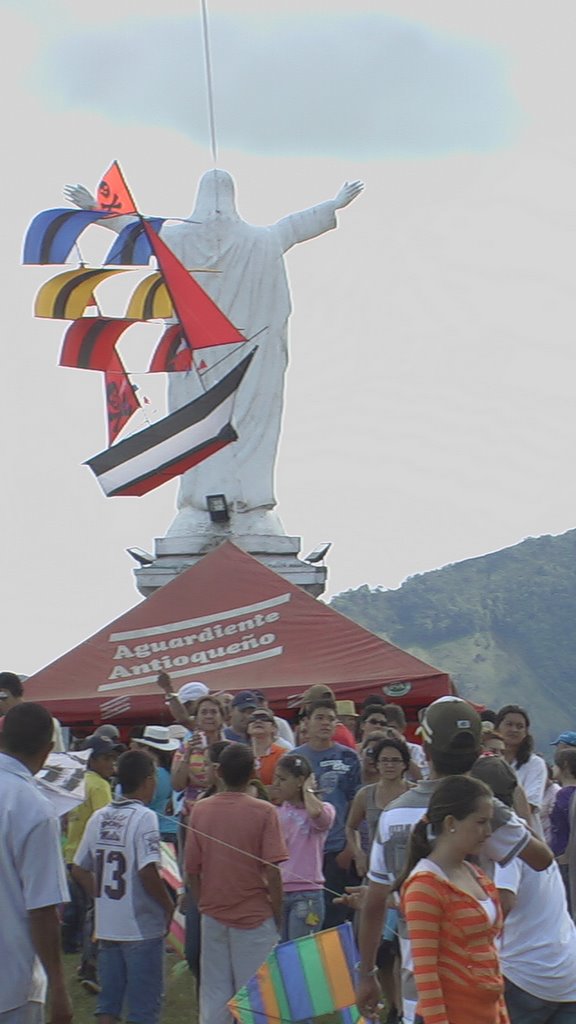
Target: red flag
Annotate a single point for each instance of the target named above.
(113, 194)
(202, 322)
(121, 402)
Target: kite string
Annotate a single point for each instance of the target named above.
(209, 86)
(237, 849)
(265, 1015)
(232, 353)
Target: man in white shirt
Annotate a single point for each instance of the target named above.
(32, 876)
(538, 943)
(538, 946)
(117, 863)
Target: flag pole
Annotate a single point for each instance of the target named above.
(209, 87)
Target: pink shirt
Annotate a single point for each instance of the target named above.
(304, 837)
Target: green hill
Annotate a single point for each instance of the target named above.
(502, 625)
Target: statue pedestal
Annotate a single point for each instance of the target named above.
(280, 553)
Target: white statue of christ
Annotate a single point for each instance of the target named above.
(251, 288)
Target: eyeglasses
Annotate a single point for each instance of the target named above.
(390, 760)
(376, 721)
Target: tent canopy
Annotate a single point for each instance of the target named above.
(234, 624)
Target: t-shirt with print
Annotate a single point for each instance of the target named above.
(338, 774)
(230, 839)
(387, 858)
(118, 842)
(97, 794)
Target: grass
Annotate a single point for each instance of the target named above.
(179, 998)
(180, 1004)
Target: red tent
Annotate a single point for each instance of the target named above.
(234, 624)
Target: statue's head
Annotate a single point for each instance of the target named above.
(215, 196)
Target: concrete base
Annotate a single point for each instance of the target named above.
(175, 554)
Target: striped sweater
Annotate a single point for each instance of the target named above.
(456, 965)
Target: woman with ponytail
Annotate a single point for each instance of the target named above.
(451, 909)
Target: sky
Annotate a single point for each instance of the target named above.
(429, 404)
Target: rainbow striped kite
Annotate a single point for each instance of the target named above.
(302, 981)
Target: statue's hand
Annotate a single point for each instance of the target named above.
(80, 196)
(348, 192)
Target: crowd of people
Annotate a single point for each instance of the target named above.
(453, 854)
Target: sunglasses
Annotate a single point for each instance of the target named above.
(261, 718)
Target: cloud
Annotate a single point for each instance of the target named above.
(363, 85)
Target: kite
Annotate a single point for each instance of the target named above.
(303, 980)
(174, 444)
(202, 322)
(172, 353)
(53, 233)
(121, 401)
(113, 195)
(181, 440)
(132, 247)
(90, 342)
(66, 296)
(170, 873)
(150, 300)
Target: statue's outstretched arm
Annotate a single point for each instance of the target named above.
(306, 224)
(348, 192)
(80, 196)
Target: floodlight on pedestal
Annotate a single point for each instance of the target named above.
(319, 553)
(218, 508)
(140, 556)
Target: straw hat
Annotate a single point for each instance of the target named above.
(158, 737)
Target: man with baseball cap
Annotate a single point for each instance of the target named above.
(564, 741)
(322, 692)
(451, 731)
(243, 704)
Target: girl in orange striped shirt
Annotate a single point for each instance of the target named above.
(452, 910)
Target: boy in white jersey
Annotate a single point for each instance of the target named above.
(117, 863)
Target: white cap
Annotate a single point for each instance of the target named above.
(192, 691)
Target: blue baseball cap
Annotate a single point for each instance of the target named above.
(565, 737)
(245, 699)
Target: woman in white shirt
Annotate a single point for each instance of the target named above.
(513, 724)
